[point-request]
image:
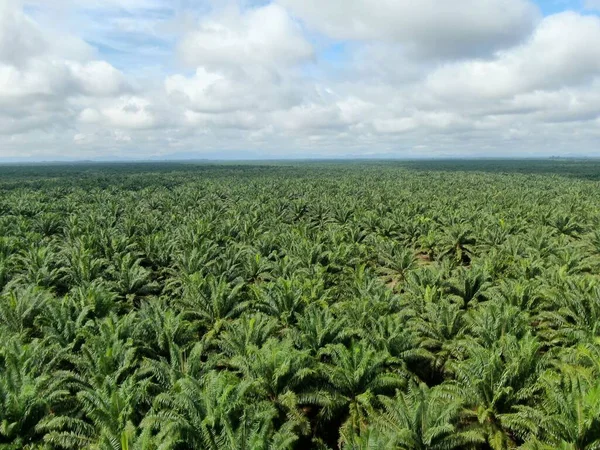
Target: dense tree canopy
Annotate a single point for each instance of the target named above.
(333, 305)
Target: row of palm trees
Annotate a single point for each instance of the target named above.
(299, 307)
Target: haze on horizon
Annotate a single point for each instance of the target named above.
(225, 79)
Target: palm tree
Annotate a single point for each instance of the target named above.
(371, 438)
(494, 383)
(423, 418)
(469, 285)
(540, 240)
(458, 243)
(572, 313)
(423, 286)
(245, 333)
(318, 327)
(283, 299)
(215, 413)
(19, 308)
(565, 224)
(158, 328)
(131, 278)
(391, 335)
(81, 265)
(38, 266)
(524, 294)
(428, 244)
(490, 323)
(571, 409)
(108, 418)
(157, 250)
(210, 302)
(62, 322)
(438, 330)
(354, 377)
(279, 373)
(572, 261)
(257, 268)
(395, 262)
(194, 258)
(108, 351)
(31, 389)
(97, 297)
(48, 224)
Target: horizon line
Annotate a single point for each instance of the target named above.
(293, 160)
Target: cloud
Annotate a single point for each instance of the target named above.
(213, 92)
(592, 5)
(245, 63)
(558, 54)
(296, 78)
(430, 28)
(310, 117)
(126, 5)
(98, 78)
(126, 112)
(20, 39)
(133, 34)
(263, 36)
(40, 74)
(23, 40)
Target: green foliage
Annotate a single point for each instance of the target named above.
(439, 305)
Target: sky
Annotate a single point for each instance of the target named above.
(257, 79)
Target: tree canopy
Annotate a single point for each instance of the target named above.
(292, 306)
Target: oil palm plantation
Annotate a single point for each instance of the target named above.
(380, 305)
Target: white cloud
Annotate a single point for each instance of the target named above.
(23, 40)
(438, 28)
(20, 39)
(90, 115)
(98, 78)
(310, 117)
(263, 36)
(239, 120)
(407, 78)
(561, 52)
(212, 92)
(41, 74)
(398, 125)
(126, 112)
